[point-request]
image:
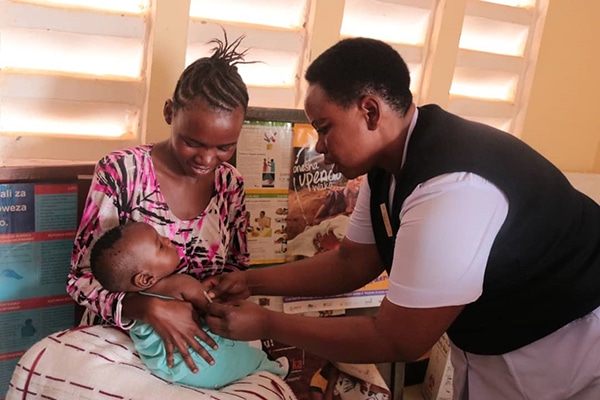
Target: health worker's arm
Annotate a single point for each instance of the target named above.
(398, 332)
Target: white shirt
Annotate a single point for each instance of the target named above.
(448, 225)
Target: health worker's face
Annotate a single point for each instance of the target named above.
(344, 135)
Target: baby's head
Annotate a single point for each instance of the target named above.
(132, 257)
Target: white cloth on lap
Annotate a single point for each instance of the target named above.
(100, 362)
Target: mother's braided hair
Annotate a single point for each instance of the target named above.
(214, 79)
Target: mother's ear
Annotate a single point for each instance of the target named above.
(371, 107)
(168, 111)
(143, 280)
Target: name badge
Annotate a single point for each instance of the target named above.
(386, 220)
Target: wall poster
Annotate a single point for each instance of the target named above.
(263, 154)
(264, 157)
(320, 203)
(38, 223)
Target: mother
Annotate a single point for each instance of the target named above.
(183, 187)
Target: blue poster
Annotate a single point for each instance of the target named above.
(17, 208)
(38, 222)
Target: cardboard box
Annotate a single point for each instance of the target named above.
(438, 377)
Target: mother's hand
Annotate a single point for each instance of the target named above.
(178, 324)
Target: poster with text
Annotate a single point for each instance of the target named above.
(264, 154)
(320, 204)
(267, 238)
(38, 223)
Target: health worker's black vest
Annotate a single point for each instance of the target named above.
(543, 270)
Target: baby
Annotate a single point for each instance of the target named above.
(135, 258)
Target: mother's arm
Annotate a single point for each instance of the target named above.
(108, 205)
(103, 210)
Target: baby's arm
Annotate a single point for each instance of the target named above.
(182, 287)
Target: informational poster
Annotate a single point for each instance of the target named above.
(320, 204)
(264, 154)
(38, 223)
(264, 157)
(267, 212)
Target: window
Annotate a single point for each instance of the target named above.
(71, 69)
(80, 74)
(495, 61)
(405, 25)
(274, 33)
(473, 57)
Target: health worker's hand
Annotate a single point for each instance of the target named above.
(179, 324)
(228, 287)
(241, 320)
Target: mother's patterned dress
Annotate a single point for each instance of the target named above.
(125, 188)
